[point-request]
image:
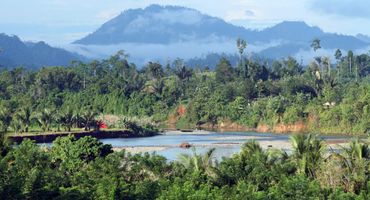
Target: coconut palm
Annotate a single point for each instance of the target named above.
(67, 118)
(45, 118)
(251, 147)
(25, 116)
(197, 162)
(338, 56)
(315, 45)
(5, 118)
(16, 123)
(241, 45)
(354, 159)
(88, 119)
(308, 152)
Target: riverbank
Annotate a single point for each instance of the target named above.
(279, 128)
(102, 134)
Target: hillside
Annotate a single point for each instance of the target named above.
(15, 52)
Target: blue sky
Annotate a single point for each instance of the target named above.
(60, 22)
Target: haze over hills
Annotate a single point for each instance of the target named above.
(15, 52)
(166, 32)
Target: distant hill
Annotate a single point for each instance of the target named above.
(211, 60)
(161, 25)
(14, 52)
(168, 25)
(363, 37)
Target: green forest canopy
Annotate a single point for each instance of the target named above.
(329, 98)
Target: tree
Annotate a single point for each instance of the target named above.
(196, 162)
(67, 118)
(354, 160)
(25, 117)
(155, 70)
(45, 119)
(350, 62)
(315, 45)
(326, 63)
(224, 71)
(16, 123)
(308, 151)
(241, 45)
(181, 71)
(5, 118)
(338, 56)
(69, 154)
(88, 119)
(292, 67)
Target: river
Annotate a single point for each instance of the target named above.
(226, 143)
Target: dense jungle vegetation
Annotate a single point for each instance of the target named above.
(328, 96)
(87, 169)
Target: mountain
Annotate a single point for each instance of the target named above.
(211, 60)
(161, 25)
(165, 32)
(14, 52)
(363, 37)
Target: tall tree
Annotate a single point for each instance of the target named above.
(224, 71)
(242, 45)
(67, 118)
(338, 56)
(25, 116)
(5, 118)
(45, 119)
(308, 151)
(88, 119)
(350, 62)
(315, 45)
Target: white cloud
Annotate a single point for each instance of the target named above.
(238, 15)
(342, 16)
(187, 17)
(347, 8)
(106, 15)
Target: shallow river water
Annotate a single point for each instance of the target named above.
(226, 143)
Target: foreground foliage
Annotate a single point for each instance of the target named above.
(87, 169)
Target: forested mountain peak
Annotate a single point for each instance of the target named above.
(171, 28)
(14, 52)
(161, 24)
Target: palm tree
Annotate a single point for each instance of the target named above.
(16, 123)
(354, 159)
(25, 116)
(5, 118)
(350, 62)
(338, 56)
(326, 63)
(67, 119)
(241, 45)
(182, 72)
(315, 45)
(88, 118)
(45, 118)
(308, 152)
(251, 147)
(155, 70)
(197, 162)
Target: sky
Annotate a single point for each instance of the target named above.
(60, 22)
